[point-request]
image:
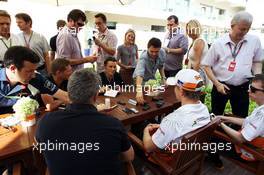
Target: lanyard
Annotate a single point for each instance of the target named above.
(235, 51)
(28, 42)
(10, 44)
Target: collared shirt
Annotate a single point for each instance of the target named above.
(110, 40)
(10, 94)
(147, 67)
(174, 61)
(116, 80)
(36, 42)
(63, 85)
(13, 40)
(99, 139)
(68, 46)
(219, 58)
(253, 125)
(185, 119)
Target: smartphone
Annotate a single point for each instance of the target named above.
(127, 110)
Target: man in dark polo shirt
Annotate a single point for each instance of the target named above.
(60, 73)
(61, 70)
(19, 78)
(84, 140)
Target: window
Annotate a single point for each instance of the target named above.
(221, 12)
(186, 3)
(111, 25)
(206, 10)
(203, 10)
(157, 28)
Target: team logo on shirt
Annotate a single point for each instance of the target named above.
(49, 85)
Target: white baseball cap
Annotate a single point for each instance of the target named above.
(188, 79)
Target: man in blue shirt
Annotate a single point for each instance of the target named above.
(18, 78)
(147, 66)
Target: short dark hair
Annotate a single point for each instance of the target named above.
(59, 64)
(18, 54)
(4, 14)
(193, 95)
(75, 15)
(176, 20)
(25, 17)
(60, 23)
(155, 42)
(109, 59)
(259, 77)
(102, 16)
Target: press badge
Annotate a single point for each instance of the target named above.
(232, 66)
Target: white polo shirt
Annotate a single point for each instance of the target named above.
(13, 40)
(219, 57)
(183, 120)
(253, 125)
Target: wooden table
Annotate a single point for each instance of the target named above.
(15, 146)
(168, 96)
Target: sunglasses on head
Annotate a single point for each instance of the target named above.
(80, 24)
(253, 89)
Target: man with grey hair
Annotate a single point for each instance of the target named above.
(230, 63)
(99, 139)
(7, 39)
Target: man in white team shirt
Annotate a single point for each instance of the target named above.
(190, 116)
(252, 127)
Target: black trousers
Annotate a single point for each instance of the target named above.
(239, 100)
(171, 73)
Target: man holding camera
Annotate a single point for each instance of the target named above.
(105, 41)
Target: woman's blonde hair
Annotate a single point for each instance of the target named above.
(130, 31)
(194, 26)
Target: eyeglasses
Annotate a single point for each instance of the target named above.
(253, 89)
(80, 24)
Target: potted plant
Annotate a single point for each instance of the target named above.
(151, 86)
(25, 109)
